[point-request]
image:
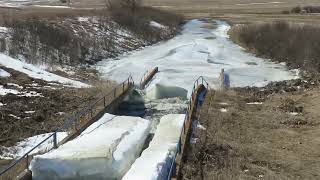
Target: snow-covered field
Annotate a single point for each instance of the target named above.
(199, 50)
(105, 150)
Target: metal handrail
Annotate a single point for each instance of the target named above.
(178, 148)
(73, 120)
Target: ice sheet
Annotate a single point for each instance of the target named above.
(197, 51)
(105, 150)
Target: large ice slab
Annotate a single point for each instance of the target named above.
(105, 150)
(159, 91)
(154, 162)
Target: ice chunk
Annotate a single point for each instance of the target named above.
(160, 92)
(105, 150)
(154, 162)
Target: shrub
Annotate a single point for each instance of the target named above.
(296, 9)
(297, 45)
(306, 9)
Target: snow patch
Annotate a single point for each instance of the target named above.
(254, 103)
(157, 25)
(4, 73)
(223, 110)
(24, 146)
(4, 91)
(36, 72)
(15, 85)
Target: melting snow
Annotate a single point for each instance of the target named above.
(15, 85)
(255, 103)
(36, 72)
(157, 25)
(223, 110)
(4, 73)
(24, 146)
(4, 91)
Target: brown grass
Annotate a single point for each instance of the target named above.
(256, 141)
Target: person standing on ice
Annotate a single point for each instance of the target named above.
(224, 80)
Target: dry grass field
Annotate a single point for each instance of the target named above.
(257, 141)
(238, 11)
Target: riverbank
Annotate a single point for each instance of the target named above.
(249, 134)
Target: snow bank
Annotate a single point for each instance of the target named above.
(24, 146)
(36, 72)
(105, 150)
(159, 91)
(4, 73)
(197, 51)
(154, 162)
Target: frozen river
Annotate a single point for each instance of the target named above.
(200, 50)
(111, 148)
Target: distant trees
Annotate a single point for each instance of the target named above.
(306, 9)
(132, 4)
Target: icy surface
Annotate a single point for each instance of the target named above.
(197, 51)
(24, 146)
(105, 150)
(154, 162)
(36, 72)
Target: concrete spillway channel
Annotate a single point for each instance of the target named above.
(79, 157)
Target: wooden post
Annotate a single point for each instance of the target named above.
(222, 80)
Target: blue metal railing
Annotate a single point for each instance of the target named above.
(72, 122)
(199, 81)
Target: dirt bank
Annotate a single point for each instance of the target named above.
(250, 134)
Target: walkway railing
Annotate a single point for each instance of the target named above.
(147, 76)
(193, 102)
(71, 125)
